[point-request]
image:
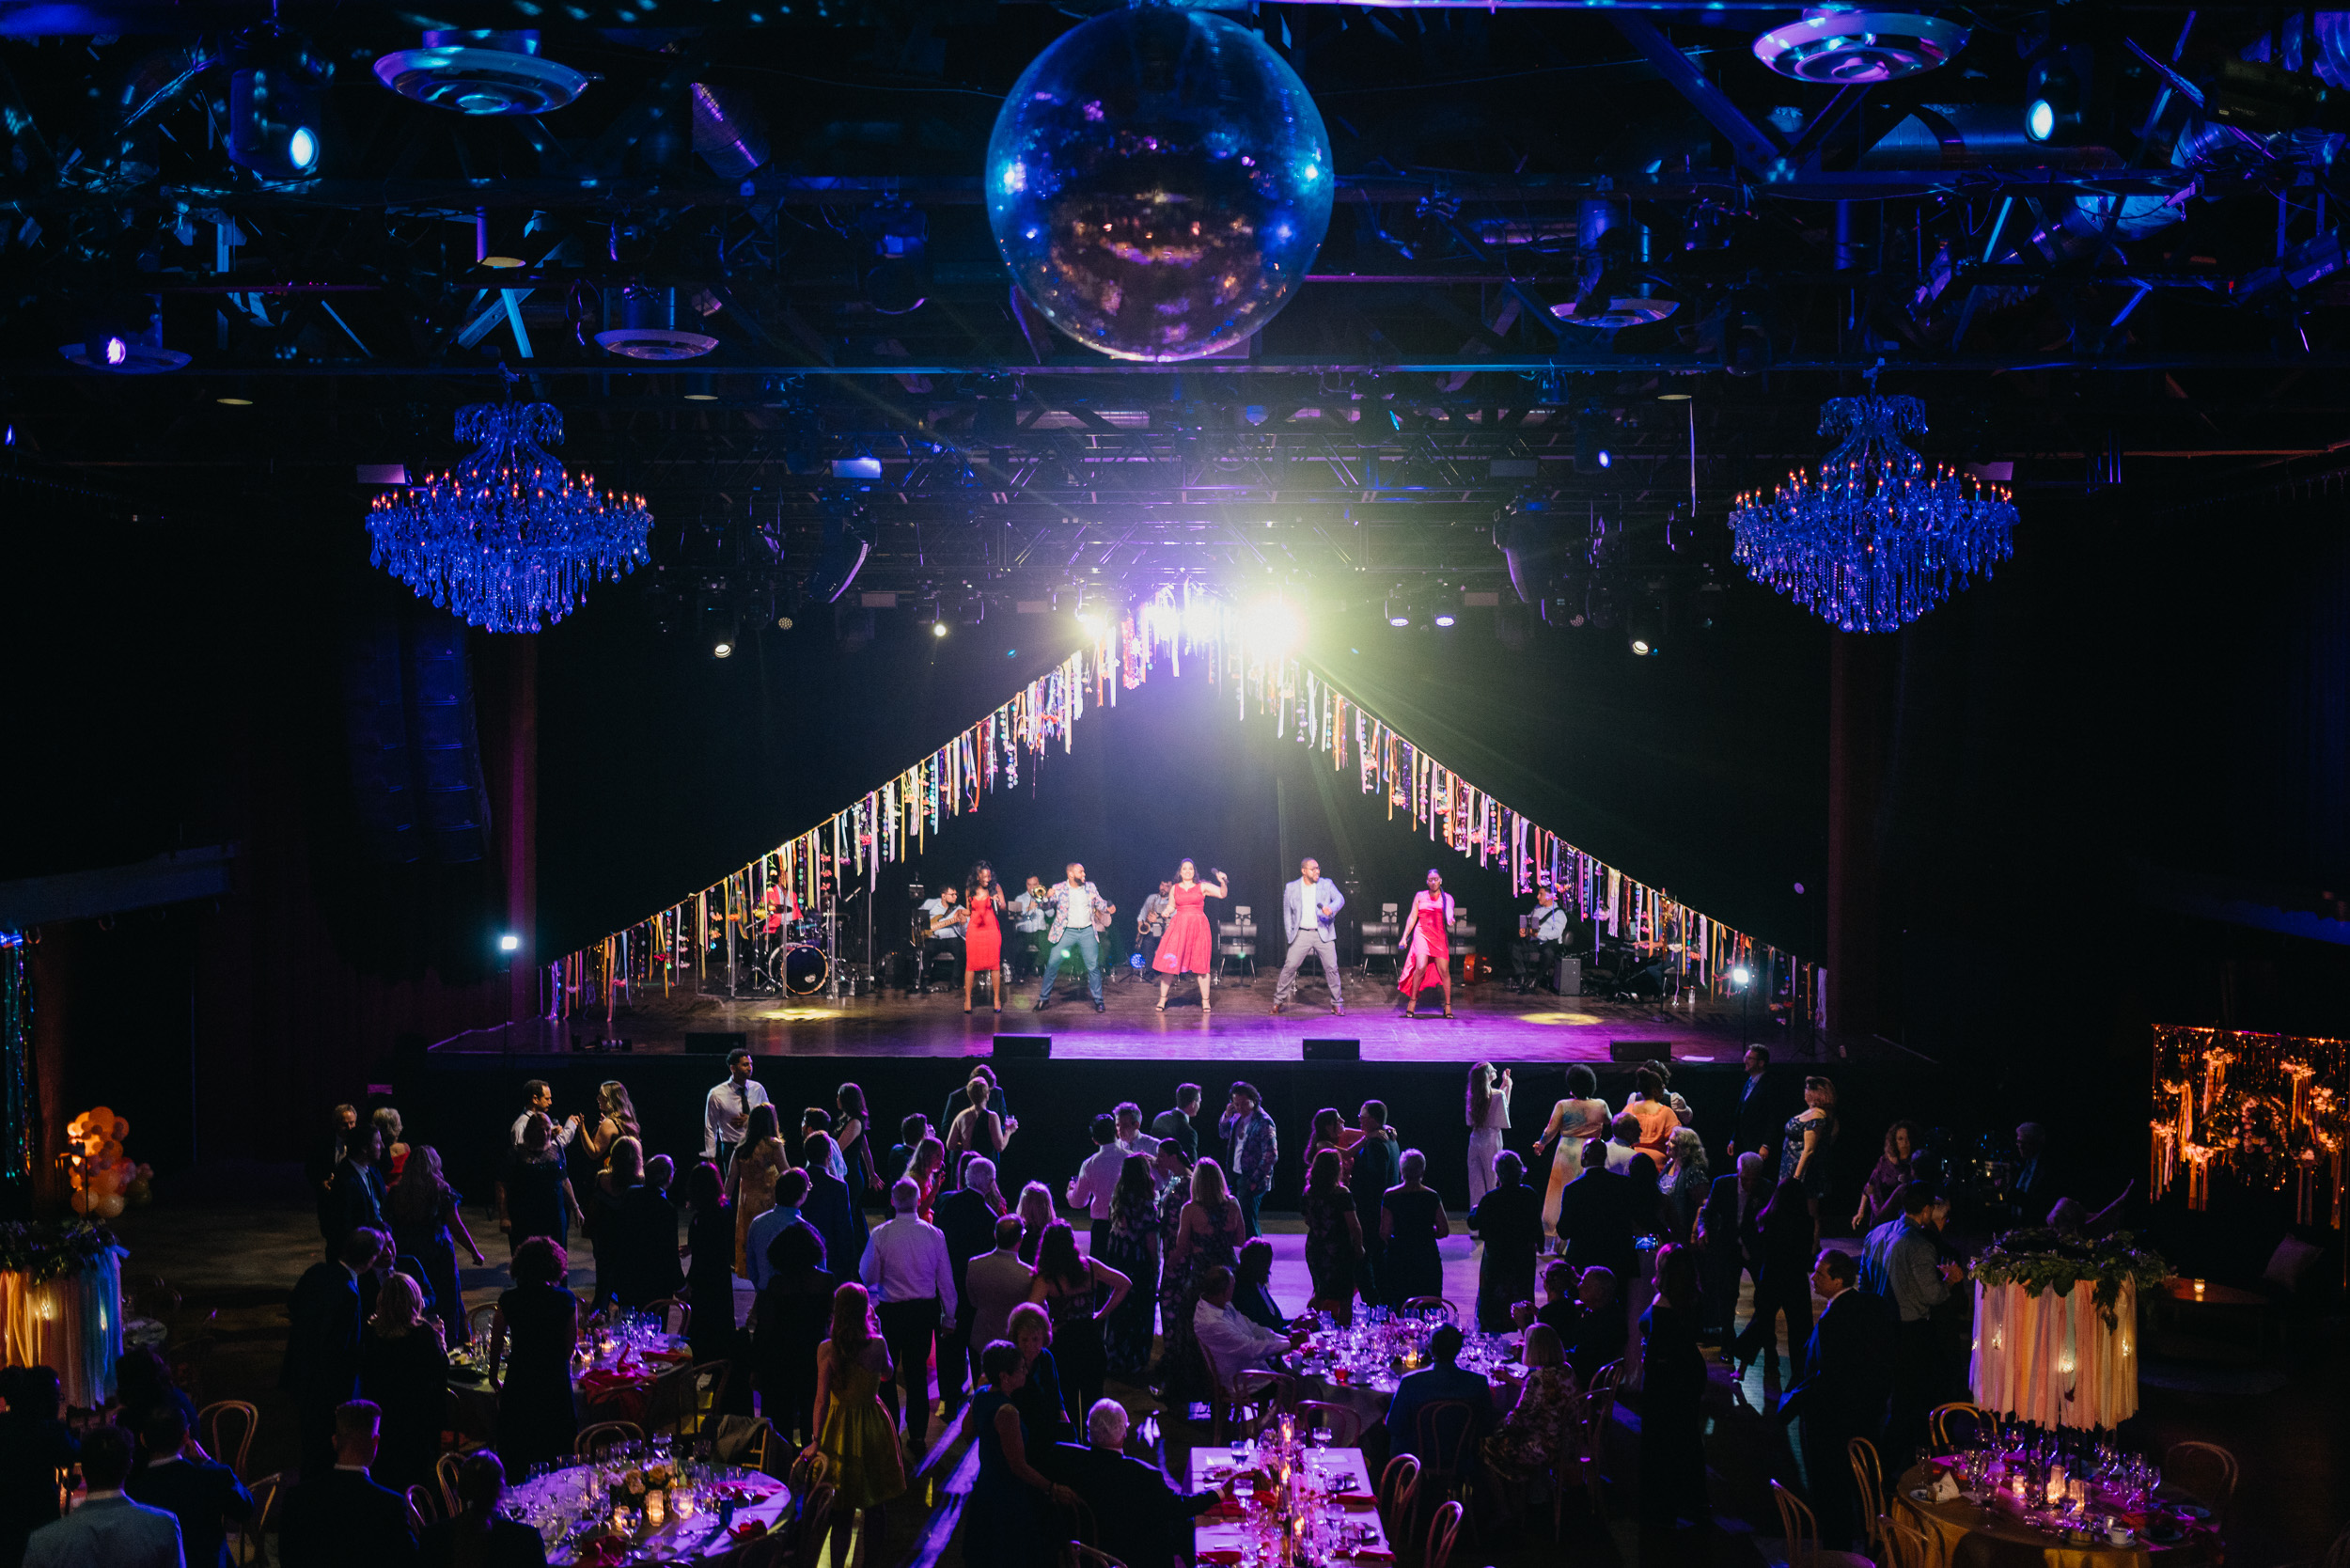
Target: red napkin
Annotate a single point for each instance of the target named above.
(609, 1552)
(1371, 1554)
(1219, 1553)
(749, 1530)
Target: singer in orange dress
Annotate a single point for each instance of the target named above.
(1430, 949)
(983, 934)
(1188, 945)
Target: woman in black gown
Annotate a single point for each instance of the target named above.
(535, 1198)
(427, 1224)
(404, 1369)
(530, 1341)
(1673, 1416)
(1411, 1222)
(710, 1266)
(791, 1319)
(1004, 1518)
(1128, 1242)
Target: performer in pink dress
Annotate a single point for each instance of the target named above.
(1189, 945)
(1429, 947)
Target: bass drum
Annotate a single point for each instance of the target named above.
(805, 969)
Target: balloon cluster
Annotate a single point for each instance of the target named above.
(105, 1179)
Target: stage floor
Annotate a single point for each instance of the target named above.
(1489, 1022)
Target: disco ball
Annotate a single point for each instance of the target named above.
(1159, 181)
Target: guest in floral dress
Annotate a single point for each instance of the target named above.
(1527, 1443)
(1128, 1242)
(1207, 1235)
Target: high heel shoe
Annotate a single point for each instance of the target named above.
(1447, 1010)
(1161, 1005)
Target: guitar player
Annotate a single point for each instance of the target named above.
(939, 922)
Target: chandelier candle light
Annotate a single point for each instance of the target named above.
(1876, 540)
(507, 540)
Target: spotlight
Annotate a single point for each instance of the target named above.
(1398, 611)
(2056, 94)
(1591, 455)
(722, 646)
(276, 111)
(1644, 629)
(126, 339)
(938, 628)
(1447, 609)
(1643, 647)
(1742, 977)
(510, 942)
(1273, 625)
(783, 622)
(498, 236)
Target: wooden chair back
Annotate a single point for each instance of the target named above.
(677, 1317)
(2204, 1470)
(445, 1474)
(1398, 1493)
(1795, 1521)
(1905, 1542)
(1092, 1557)
(1443, 1531)
(266, 1493)
(1440, 1435)
(478, 1322)
(422, 1509)
(1606, 1377)
(808, 1473)
(1343, 1423)
(241, 1420)
(1869, 1475)
(592, 1439)
(814, 1522)
(1434, 1307)
(1956, 1425)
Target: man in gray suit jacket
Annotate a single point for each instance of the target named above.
(1310, 915)
(108, 1531)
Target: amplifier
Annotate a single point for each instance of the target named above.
(1022, 1046)
(1333, 1050)
(1569, 977)
(1639, 1050)
(716, 1041)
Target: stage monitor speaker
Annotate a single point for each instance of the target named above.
(1569, 977)
(1639, 1050)
(1023, 1046)
(716, 1041)
(1333, 1050)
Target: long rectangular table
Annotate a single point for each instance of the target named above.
(1348, 1470)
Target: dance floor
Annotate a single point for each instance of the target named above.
(1488, 1022)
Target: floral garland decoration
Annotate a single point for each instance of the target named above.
(2040, 1259)
(48, 1250)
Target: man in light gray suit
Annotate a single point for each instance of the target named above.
(1310, 915)
(108, 1530)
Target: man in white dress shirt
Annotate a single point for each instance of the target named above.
(108, 1528)
(1233, 1342)
(537, 1097)
(1309, 918)
(907, 1268)
(726, 1111)
(1131, 1138)
(1096, 1179)
(1541, 932)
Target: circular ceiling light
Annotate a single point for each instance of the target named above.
(474, 72)
(1838, 46)
(656, 343)
(125, 356)
(1624, 311)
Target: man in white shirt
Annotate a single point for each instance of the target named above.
(1131, 1138)
(1031, 912)
(943, 917)
(1097, 1179)
(537, 1096)
(907, 1267)
(726, 1111)
(1542, 930)
(1075, 902)
(1232, 1341)
(1151, 924)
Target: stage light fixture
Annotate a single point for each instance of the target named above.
(938, 628)
(1398, 611)
(1447, 609)
(276, 111)
(1644, 628)
(722, 645)
(510, 942)
(1274, 625)
(1742, 977)
(2055, 95)
(1591, 455)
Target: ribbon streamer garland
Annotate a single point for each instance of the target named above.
(890, 824)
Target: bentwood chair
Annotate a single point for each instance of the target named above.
(1342, 1421)
(1869, 1475)
(1399, 1494)
(241, 1419)
(1803, 1535)
(266, 1492)
(1444, 1530)
(1905, 1543)
(1433, 1308)
(423, 1512)
(445, 1474)
(592, 1439)
(1956, 1425)
(2206, 1471)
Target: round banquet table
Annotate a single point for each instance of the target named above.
(1371, 1388)
(1960, 1534)
(550, 1502)
(648, 1387)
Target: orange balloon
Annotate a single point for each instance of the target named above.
(110, 1206)
(102, 1116)
(122, 1127)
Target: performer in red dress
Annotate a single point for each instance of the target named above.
(1429, 947)
(983, 934)
(1189, 945)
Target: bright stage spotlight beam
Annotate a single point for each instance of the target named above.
(1274, 625)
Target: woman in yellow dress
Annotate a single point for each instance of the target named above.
(853, 1429)
(751, 1180)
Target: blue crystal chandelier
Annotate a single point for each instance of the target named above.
(506, 540)
(1876, 538)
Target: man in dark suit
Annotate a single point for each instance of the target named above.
(1596, 1212)
(1729, 1236)
(341, 1518)
(1377, 1167)
(319, 1167)
(833, 1210)
(967, 1220)
(1141, 1516)
(1842, 1395)
(206, 1497)
(322, 1367)
(359, 1186)
(1176, 1124)
(1601, 1331)
(1754, 1127)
